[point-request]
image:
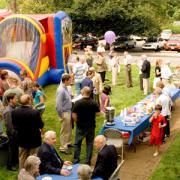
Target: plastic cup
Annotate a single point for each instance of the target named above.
(47, 178)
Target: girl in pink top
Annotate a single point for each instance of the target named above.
(105, 100)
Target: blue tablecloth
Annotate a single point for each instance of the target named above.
(73, 175)
(174, 93)
(139, 127)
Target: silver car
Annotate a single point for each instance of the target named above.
(153, 44)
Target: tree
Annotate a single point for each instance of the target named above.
(141, 17)
(2, 4)
(121, 16)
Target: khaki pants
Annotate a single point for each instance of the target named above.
(146, 86)
(128, 75)
(114, 75)
(66, 131)
(24, 153)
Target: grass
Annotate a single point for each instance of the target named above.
(121, 97)
(169, 166)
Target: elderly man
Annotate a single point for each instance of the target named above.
(107, 158)
(28, 124)
(127, 63)
(51, 163)
(63, 107)
(84, 114)
(146, 69)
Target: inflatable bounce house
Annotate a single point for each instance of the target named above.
(39, 44)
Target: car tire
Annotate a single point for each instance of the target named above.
(82, 46)
(157, 48)
(126, 47)
(134, 45)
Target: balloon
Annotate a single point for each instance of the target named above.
(109, 37)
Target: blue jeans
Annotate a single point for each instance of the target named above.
(1, 127)
(80, 135)
(78, 88)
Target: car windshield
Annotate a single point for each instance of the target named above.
(175, 38)
(121, 39)
(152, 39)
(167, 32)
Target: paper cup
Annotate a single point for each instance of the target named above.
(47, 178)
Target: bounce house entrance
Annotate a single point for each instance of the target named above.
(40, 44)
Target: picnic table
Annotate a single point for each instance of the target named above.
(72, 176)
(143, 123)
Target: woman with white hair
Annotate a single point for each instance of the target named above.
(84, 172)
(31, 169)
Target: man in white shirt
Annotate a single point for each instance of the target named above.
(127, 63)
(165, 101)
(166, 73)
(79, 74)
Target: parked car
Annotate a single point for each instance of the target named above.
(173, 43)
(166, 33)
(102, 41)
(76, 36)
(123, 42)
(153, 43)
(82, 42)
(136, 38)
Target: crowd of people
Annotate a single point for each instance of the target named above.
(23, 104)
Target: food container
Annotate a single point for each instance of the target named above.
(109, 114)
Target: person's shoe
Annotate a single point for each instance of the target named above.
(12, 168)
(155, 154)
(70, 145)
(67, 152)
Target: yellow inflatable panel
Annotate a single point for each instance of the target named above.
(44, 66)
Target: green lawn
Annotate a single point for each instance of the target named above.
(121, 97)
(169, 166)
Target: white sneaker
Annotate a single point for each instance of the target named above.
(155, 154)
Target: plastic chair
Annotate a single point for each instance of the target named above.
(114, 137)
(115, 174)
